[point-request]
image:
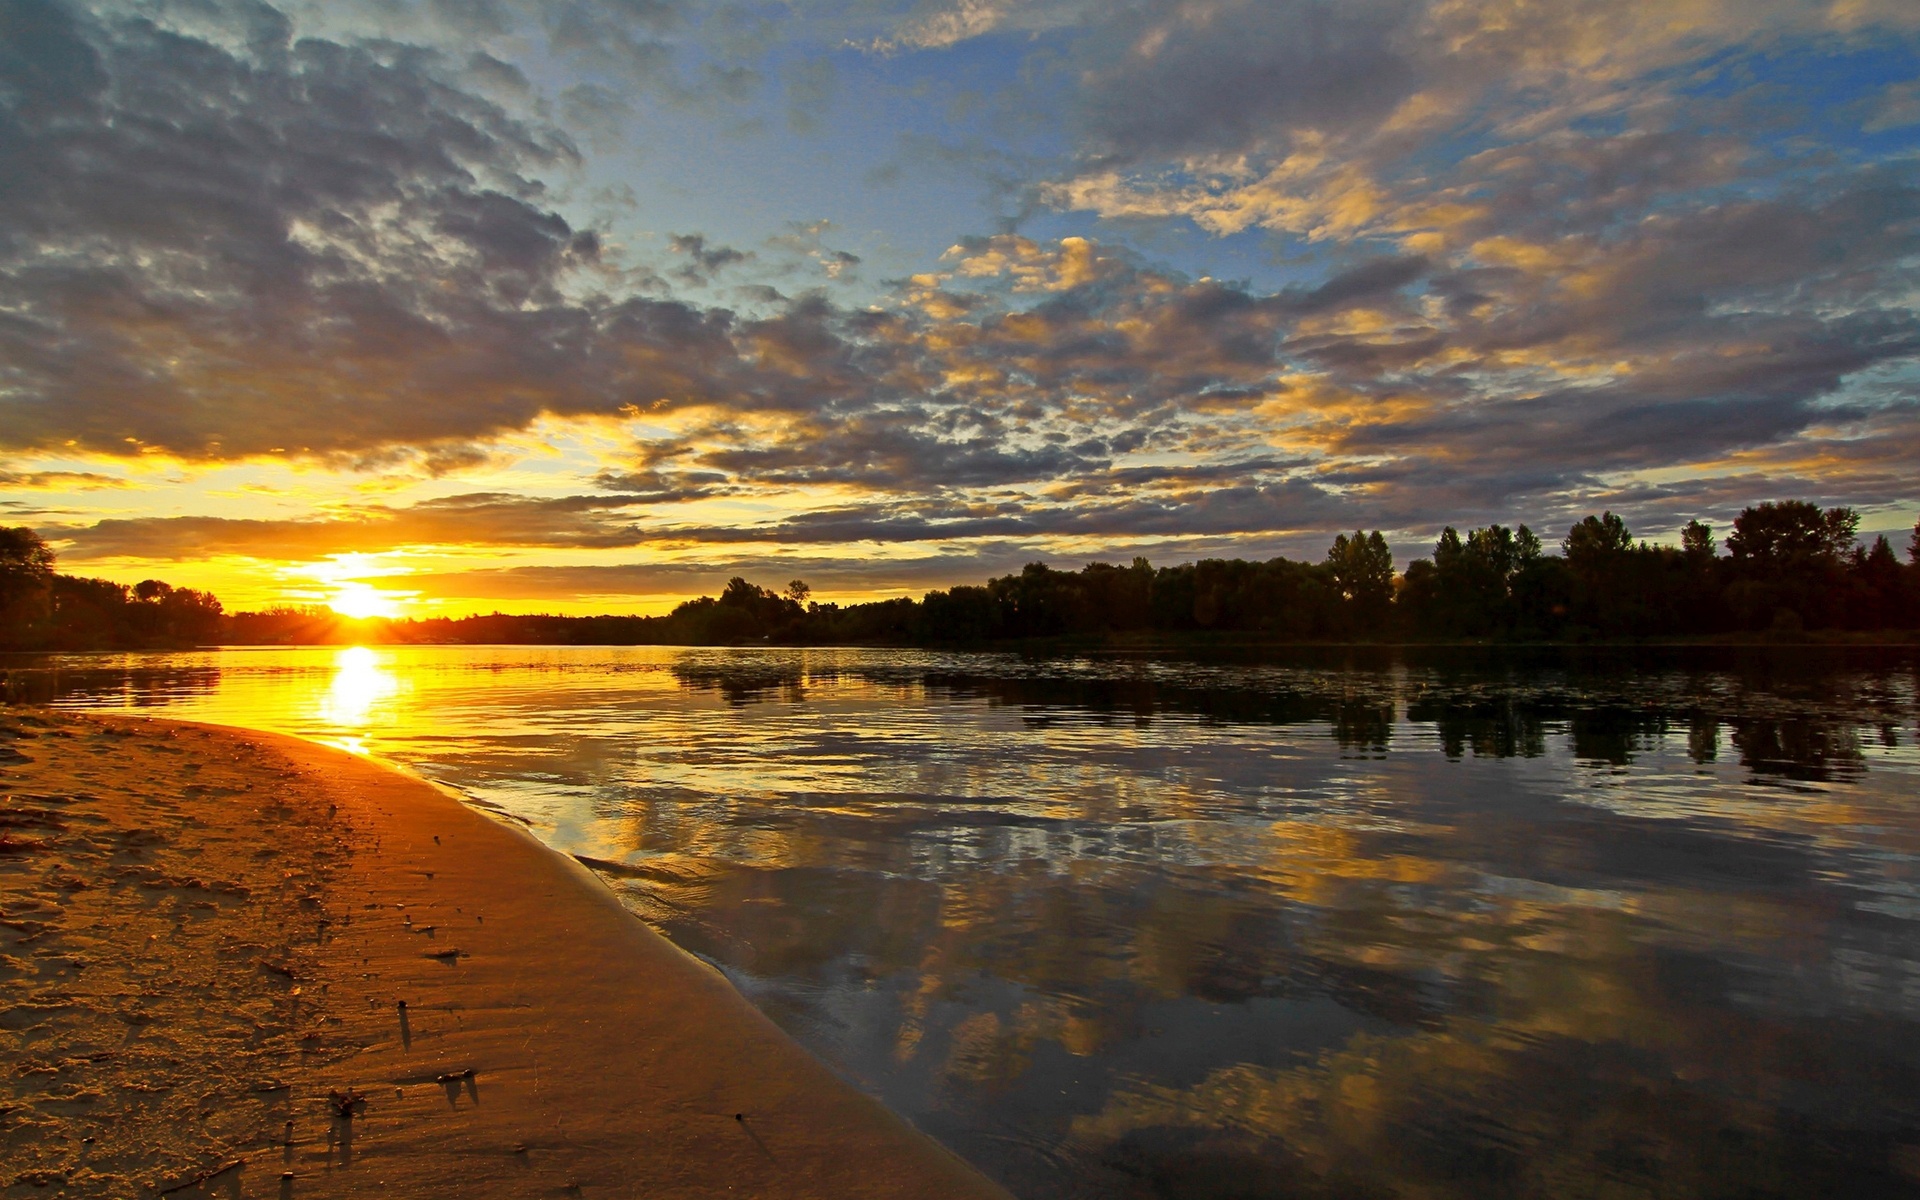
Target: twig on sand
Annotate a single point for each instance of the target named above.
(202, 1177)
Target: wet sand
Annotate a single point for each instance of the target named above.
(235, 964)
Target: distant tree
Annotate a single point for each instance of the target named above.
(1699, 580)
(1433, 591)
(1875, 599)
(1472, 586)
(1362, 568)
(89, 613)
(1527, 546)
(1115, 598)
(24, 554)
(1609, 577)
(744, 612)
(1496, 556)
(1594, 538)
(1038, 602)
(187, 615)
(1501, 550)
(961, 614)
(1880, 556)
(1789, 558)
(1787, 532)
(1697, 540)
(26, 578)
(798, 591)
(1909, 611)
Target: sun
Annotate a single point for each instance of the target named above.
(360, 601)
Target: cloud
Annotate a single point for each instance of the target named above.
(1230, 83)
(1527, 259)
(60, 481)
(475, 519)
(937, 26)
(1898, 108)
(1171, 80)
(703, 261)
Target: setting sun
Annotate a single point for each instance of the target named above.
(360, 601)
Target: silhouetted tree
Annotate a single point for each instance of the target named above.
(23, 553)
(1474, 587)
(1788, 560)
(1697, 541)
(961, 614)
(1362, 569)
(742, 612)
(26, 578)
(1596, 538)
(1607, 593)
(1786, 532)
(1876, 599)
(1118, 598)
(1702, 606)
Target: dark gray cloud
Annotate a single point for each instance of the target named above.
(704, 261)
(1170, 78)
(497, 74)
(886, 449)
(1368, 281)
(1251, 508)
(480, 518)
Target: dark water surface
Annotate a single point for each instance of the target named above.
(1130, 927)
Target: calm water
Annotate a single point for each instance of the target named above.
(1137, 927)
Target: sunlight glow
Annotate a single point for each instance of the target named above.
(360, 601)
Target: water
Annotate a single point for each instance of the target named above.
(1136, 927)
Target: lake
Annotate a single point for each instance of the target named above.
(1338, 924)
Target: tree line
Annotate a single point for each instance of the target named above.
(43, 610)
(1787, 567)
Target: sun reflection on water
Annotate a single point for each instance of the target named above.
(359, 695)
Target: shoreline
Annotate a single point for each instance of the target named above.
(1818, 639)
(236, 963)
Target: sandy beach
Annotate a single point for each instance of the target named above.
(234, 964)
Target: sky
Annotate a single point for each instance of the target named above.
(440, 306)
